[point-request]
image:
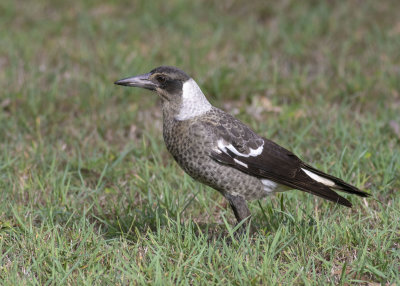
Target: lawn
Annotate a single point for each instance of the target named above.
(90, 195)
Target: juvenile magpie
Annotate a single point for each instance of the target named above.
(220, 151)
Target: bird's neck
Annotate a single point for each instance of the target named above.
(194, 103)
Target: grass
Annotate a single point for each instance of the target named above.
(89, 194)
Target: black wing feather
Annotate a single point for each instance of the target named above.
(274, 163)
(298, 181)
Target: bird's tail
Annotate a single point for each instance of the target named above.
(332, 182)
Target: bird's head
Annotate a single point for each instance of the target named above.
(180, 93)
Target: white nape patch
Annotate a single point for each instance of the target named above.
(194, 103)
(318, 178)
(253, 152)
(240, 163)
(269, 186)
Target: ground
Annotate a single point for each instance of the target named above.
(89, 194)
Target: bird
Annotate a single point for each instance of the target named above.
(220, 151)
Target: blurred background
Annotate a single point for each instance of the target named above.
(59, 60)
(319, 77)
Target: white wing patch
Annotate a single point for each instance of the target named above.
(269, 186)
(253, 152)
(221, 145)
(240, 163)
(217, 150)
(318, 178)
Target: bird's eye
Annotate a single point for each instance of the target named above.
(161, 79)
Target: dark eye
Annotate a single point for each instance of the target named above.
(161, 79)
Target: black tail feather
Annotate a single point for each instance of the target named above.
(308, 185)
(339, 184)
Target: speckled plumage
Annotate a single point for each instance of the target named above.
(218, 150)
(191, 142)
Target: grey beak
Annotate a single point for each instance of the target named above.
(138, 81)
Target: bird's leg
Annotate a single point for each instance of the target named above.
(239, 207)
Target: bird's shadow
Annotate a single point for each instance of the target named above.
(133, 227)
(133, 223)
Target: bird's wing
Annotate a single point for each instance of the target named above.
(241, 148)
